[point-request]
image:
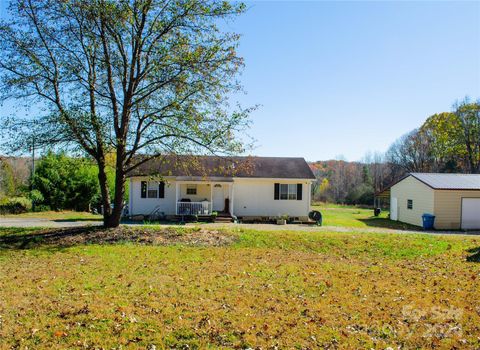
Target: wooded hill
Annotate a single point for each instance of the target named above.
(339, 181)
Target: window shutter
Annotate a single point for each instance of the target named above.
(144, 189)
(276, 194)
(299, 192)
(161, 189)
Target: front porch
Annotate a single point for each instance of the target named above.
(202, 198)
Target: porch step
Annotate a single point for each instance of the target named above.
(223, 219)
(193, 218)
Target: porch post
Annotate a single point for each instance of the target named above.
(231, 198)
(211, 197)
(130, 198)
(177, 188)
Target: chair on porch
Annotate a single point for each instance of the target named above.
(185, 209)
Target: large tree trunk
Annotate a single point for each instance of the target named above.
(104, 191)
(116, 213)
(471, 158)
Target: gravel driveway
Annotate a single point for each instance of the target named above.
(37, 222)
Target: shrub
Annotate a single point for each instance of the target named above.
(65, 182)
(36, 196)
(15, 205)
(362, 194)
(42, 207)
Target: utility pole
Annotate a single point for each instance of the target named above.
(33, 168)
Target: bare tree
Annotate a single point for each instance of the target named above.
(411, 152)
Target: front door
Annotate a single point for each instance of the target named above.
(393, 209)
(218, 198)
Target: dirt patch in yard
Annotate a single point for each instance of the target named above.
(97, 235)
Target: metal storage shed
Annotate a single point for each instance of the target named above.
(453, 198)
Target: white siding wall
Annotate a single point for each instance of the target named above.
(145, 206)
(422, 196)
(252, 197)
(255, 198)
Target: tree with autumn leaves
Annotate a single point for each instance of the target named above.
(446, 142)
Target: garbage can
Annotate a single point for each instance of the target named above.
(428, 221)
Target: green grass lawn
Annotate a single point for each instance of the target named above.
(267, 290)
(350, 216)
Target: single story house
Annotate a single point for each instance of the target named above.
(244, 187)
(454, 199)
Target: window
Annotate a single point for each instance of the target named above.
(288, 191)
(292, 191)
(192, 189)
(152, 191)
(409, 204)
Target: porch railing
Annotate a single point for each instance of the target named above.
(194, 208)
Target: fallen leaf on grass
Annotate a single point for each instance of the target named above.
(60, 334)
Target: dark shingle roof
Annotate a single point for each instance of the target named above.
(214, 166)
(449, 181)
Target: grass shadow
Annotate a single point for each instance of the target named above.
(20, 239)
(475, 255)
(397, 225)
(387, 223)
(79, 219)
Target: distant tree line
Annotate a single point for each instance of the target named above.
(446, 142)
(339, 181)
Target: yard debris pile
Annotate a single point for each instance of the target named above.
(98, 235)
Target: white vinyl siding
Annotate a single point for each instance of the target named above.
(145, 206)
(421, 196)
(255, 198)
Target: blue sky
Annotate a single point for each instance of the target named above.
(345, 78)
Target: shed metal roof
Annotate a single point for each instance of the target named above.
(449, 181)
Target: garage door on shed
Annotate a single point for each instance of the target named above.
(470, 213)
